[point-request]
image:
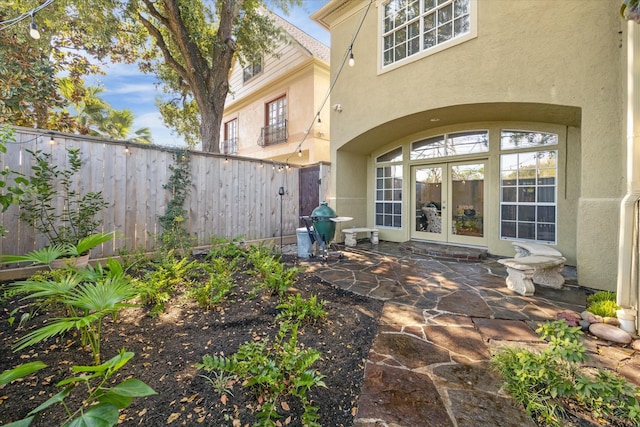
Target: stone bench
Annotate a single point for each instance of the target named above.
(524, 271)
(350, 235)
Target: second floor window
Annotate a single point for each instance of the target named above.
(230, 143)
(413, 26)
(275, 129)
(251, 70)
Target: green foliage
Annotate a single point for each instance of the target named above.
(221, 382)
(102, 406)
(223, 248)
(602, 303)
(10, 181)
(159, 284)
(88, 295)
(20, 371)
(274, 372)
(53, 204)
(297, 309)
(217, 286)
(273, 275)
(175, 235)
(541, 381)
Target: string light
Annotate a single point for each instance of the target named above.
(51, 140)
(126, 150)
(299, 152)
(33, 28)
(226, 160)
(352, 60)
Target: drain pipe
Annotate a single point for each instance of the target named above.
(628, 287)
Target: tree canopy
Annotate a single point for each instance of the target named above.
(190, 45)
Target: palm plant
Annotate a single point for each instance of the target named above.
(88, 295)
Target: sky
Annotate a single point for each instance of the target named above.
(126, 87)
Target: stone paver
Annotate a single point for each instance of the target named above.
(442, 319)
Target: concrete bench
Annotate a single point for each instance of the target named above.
(528, 248)
(351, 234)
(524, 271)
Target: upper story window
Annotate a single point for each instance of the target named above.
(275, 129)
(230, 143)
(410, 27)
(251, 70)
(453, 144)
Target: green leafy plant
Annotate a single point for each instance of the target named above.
(603, 303)
(543, 380)
(274, 372)
(273, 275)
(88, 295)
(159, 284)
(297, 309)
(223, 248)
(218, 285)
(103, 403)
(51, 253)
(54, 206)
(11, 182)
(221, 382)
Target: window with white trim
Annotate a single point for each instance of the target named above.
(453, 144)
(413, 26)
(388, 198)
(251, 70)
(528, 187)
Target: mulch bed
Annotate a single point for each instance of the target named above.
(167, 347)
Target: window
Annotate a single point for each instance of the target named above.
(454, 144)
(413, 26)
(389, 196)
(388, 200)
(275, 130)
(230, 143)
(528, 191)
(251, 70)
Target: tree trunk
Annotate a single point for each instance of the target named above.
(210, 127)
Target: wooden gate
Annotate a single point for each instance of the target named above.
(309, 190)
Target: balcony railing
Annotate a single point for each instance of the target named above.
(274, 134)
(230, 146)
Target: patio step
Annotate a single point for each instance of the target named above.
(437, 250)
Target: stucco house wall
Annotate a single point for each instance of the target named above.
(544, 65)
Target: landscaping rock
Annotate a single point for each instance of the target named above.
(610, 333)
(590, 317)
(571, 317)
(611, 321)
(635, 345)
(584, 324)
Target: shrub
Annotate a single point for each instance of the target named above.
(602, 303)
(542, 381)
(273, 371)
(297, 309)
(218, 285)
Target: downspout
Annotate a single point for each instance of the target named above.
(628, 287)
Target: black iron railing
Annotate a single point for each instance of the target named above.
(230, 146)
(274, 134)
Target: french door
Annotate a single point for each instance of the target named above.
(449, 202)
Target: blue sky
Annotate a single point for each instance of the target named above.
(126, 87)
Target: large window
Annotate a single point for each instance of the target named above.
(453, 144)
(275, 129)
(230, 143)
(413, 26)
(528, 188)
(388, 200)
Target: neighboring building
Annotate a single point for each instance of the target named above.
(479, 122)
(273, 103)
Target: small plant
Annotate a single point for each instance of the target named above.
(272, 272)
(223, 248)
(221, 382)
(54, 206)
(9, 191)
(158, 285)
(88, 295)
(274, 372)
(297, 309)
(543, 381)
(217, 286)
(104, 401)
(602, 303)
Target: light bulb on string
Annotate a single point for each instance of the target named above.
(126, 150)
(51, 140)
(352, 60)
(33, 29)
(299, 152)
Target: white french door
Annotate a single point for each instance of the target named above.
(449, 202)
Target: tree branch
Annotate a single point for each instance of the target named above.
(160, 42)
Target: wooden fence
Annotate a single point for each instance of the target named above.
(229, 197)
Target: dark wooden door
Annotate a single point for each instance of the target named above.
(309, 190)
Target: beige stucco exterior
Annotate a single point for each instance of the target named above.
(299, 70)
(542, 65)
